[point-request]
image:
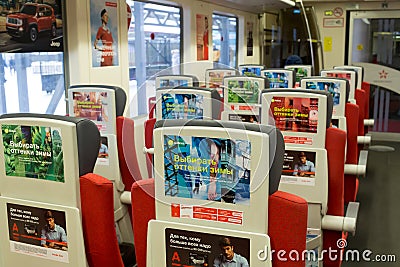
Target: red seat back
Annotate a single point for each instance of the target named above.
(148, 140)
(97, 207)
(367, 89)
(351, 181)
(361, 99)
(128, 162)
(287, 226)
(335, 145)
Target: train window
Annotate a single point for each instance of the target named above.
(224, 34)
(32, 58)
(154, 50)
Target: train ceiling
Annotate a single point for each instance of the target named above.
(261, 6)
(255, 6)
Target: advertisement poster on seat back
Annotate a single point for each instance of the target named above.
(182, 106)
(277, 79)
(104, 33)
(331, 87)
(299, 167)
(31, 27)
(295, 114)
(245, 93)
(195, 249)
(103, 157)
(33, 152)
(37, 232)
(215, 169)
(93, 106)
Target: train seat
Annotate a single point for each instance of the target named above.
(241, 97)
(314, 160)
(280, 77)
(201, 104)
(283, 208)
(105, 105)
(346, 117)
(62, 151)
(214, 79)
(351, 181)
(366, 86)
(152, 106)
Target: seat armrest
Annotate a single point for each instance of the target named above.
(359, 169)
(369, 122)
(364, 140)
(126, 198)
(345, 223)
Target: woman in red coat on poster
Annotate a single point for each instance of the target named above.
(205, 39)
(104, 34)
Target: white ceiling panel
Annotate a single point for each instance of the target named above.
(255, 6)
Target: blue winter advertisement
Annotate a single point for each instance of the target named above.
(215, 169)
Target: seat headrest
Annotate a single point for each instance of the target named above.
(329, 106)
(249, 78)
(215, 96)
(87, 135)
(276, 142)
(120, 96)
(195, 80)
(333, 80)
(214, 93)
(349, 68)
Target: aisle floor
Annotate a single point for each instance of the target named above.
(378, 227)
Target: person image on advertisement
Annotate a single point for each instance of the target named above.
(104, 34)
(304, 167)
(53, 235)
(103, 151)
(209, 149)
(214, 157)
(228, 257)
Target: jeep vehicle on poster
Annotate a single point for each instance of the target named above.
(31, 20)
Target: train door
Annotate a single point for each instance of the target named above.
(374, 43)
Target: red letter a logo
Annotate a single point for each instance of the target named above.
(175, 257)
(15, 228)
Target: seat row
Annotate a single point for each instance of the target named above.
(223, 195)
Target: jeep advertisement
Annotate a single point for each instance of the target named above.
(31, 26)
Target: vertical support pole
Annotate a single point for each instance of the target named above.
(381, 104)
(376, 105)
(140, 57)
(386, 115)
(225, 57)
(20, 66)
